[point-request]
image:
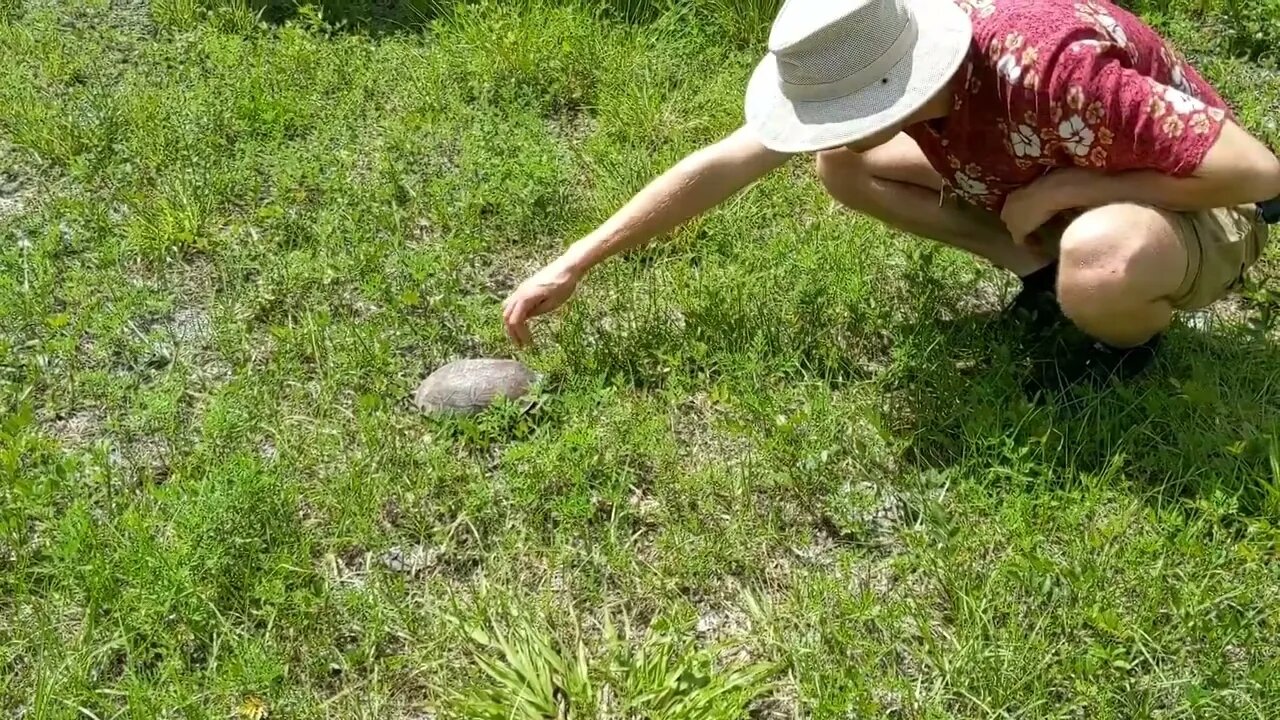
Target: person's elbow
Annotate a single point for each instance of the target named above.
(1255, 177)
(1245, 163)
(737, 160)
(1267, 174)
(747, 155)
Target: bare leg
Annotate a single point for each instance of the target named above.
(896, 184)
(1120, 266)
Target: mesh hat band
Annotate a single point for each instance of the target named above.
(816, 92)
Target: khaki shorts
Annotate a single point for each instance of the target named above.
(1221, 246)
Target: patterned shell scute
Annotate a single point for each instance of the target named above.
(468, 387)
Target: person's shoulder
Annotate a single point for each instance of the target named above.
(1022, 41)
(1031, 19)
(1054, 23)
(1014, 40)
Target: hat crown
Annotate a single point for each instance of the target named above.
(822, 46)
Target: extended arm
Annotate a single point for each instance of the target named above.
(693, 186)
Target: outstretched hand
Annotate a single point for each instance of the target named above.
(546, 290)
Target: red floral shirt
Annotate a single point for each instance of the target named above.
(1056, 83)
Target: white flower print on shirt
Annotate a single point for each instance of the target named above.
(1076, 136)
(1104, 21)
(1097, 47)
(1025, 142)
(1177, 71)
(1179, 79)
(970, 187)
(1181, 102)
(1010, 69)
(1016, 61)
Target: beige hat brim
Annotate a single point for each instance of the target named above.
(785, 125)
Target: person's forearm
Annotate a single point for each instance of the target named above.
(1188, 194)
(695, 185)
(1237, 170)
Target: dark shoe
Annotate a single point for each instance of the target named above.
(1035, 310)
(1035, 307)
(1081, 361)
(1269, 211)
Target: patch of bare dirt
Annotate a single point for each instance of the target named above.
(643, 506)
(572, 126)
(132, 16)
(144, 458)
(79, 430)
(309, 515)
(701, 444)
(989, 296)
(1231, 311)
(422, 233)
(190, 326)
(864, 515)
(496, 276)
(412, 561)
(349, 568)
(14, 195)
(1236, 657)
(722, 622)
(782, 704)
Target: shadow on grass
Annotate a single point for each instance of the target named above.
(1200, 425)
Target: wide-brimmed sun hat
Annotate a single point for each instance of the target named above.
(840, 71)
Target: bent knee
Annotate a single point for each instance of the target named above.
(1118, 256)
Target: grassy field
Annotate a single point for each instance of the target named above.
(780, 467)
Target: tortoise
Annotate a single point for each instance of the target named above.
(468, 387)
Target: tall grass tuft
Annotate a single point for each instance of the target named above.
(659, 676)
(744, 22)
(177, 14)
(10, 10)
